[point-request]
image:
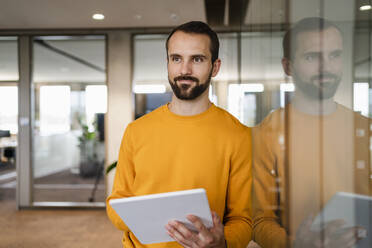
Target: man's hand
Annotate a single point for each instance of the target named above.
(202, 238)
(333, 234)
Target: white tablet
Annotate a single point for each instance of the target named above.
(146, 216)
(354, 209)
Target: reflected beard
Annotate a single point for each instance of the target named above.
(183, 91)
(319, 90)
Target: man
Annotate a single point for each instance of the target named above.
(190, 143)
(311, 149)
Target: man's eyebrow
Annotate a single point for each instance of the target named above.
(312, 52)
(174, 55)
(199, 56)
(322, 51)
(192, 56)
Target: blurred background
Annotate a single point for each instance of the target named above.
(73, 74)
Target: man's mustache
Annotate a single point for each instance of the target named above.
(186, 78)
(325, 75)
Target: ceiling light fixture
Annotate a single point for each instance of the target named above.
(365, 7)
(98, 16)
(173, 17)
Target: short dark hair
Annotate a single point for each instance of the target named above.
(304, 25)
(197, 27)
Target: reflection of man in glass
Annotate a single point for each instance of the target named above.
(311, 149)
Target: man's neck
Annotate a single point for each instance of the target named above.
(313, 106)
(189, 107)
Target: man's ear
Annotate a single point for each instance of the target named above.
(216, 67)
(286, 63)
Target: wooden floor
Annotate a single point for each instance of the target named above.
(39, 228)
(54, 228)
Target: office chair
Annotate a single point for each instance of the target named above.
(4, 133)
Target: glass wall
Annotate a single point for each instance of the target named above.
(311, 142)
(70, 100)
(151, 89)
(8, 116)
(299, 74)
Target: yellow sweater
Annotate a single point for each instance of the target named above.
(294, 177)
(163, 152)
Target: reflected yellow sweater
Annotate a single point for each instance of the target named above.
(163, 152)
(325, 154)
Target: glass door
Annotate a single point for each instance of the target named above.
(8, 118)
(70, 101)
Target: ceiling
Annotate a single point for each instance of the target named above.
(73, 14)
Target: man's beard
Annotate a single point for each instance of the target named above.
(184, 92)
(316, 89)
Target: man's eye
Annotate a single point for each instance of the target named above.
(335, 55)
(198, 59)
(176, 59)
(311, 57)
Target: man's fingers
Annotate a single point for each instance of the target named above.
(350, 243)
(198, 224)
(216, 219)
(177, 239)
(180, 233)
(334, 223)
(333, 226)
(347, 239)
(356, 233)
(182, 243)
(361, 232)
(204, 237)
(217, 223)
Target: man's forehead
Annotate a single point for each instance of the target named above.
(327, 39)
(183, 42)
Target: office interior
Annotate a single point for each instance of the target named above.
(73, 74)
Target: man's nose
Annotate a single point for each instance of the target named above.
(325, 63)
(186, 68)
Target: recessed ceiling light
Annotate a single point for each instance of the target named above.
(173, 17)
(365, 7)
(138, 17)
(98, 16)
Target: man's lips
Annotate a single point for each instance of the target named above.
(324, 82)
(325, 78)
(186, 81)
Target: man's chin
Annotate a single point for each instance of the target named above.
(185, 88)
(185, 97)
(186, 94)
(320, 91)
(323, 94)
